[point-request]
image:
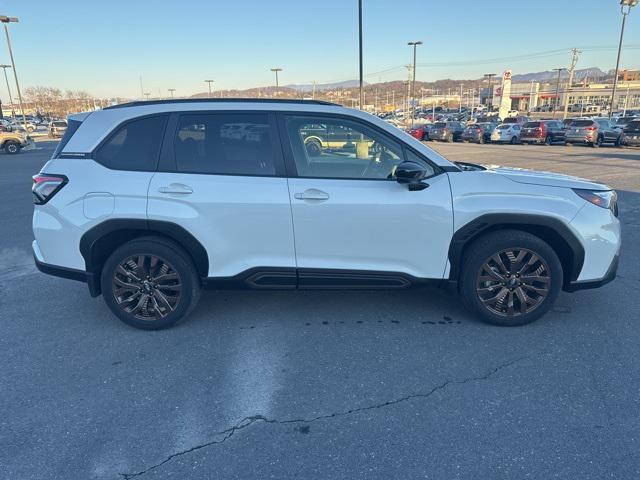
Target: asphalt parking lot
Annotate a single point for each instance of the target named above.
(340, 385)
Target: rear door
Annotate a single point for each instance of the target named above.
(222, 179)
(352, 220)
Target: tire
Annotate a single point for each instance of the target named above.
(513, 141)
(548, 140)
(12, 147)
(618, 142)
(597, 143)
(499, 243)
(449, 138)
(481, 141)
(173, 263)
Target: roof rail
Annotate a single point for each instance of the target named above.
(140, 103)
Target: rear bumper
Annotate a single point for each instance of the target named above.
(588, 284)
(68, 273)
(532, 139)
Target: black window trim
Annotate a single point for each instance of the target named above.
(168, 162)
(290, 162)
(115, 130)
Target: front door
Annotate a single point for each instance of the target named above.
(350, 216)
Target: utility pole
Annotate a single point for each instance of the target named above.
(209, 82)
(147, 95)
(360, 52)
(313, 92)
(460, 102)
(171, 90)
(575, 54)
(557, 99)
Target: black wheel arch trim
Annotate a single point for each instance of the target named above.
(99, 242)
(527, 222)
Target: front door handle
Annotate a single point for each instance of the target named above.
(176, 188)
(312, 194)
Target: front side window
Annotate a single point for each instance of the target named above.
(134, 146)
(340, 148)
(224, 144)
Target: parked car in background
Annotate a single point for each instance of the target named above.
(593, 132)
(622, 122)
(421, 132)
(450, 131)
(478, 132)
(14, 141)
(57, 128)
(18, 124)
(631, 133)
(512, 113)
(520, 119)
(507, 133)
(542, 132)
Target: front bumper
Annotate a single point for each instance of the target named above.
(631, 140)
(588, 284)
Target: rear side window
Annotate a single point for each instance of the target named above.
(72, 126)
(134, 145)
(225, 144)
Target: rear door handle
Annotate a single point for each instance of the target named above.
(311, 194)
(176, 188)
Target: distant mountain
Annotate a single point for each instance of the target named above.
(548, 76)
(307, 87)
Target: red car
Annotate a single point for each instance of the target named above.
(421, 132)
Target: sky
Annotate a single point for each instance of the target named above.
(106, 46)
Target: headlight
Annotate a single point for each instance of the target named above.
(601, 198)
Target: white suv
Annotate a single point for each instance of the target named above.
(148, 202)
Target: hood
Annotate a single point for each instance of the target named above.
(534, 177)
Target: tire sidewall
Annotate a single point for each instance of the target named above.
(178, 259)
(11, 146)
(492, 243)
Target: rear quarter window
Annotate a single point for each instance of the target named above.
(135, 145)
(72, 126)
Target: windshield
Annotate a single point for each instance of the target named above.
(531, 125)
(439, 125)
(503, 127)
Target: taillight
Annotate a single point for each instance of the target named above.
(46, 186)
(590, 129)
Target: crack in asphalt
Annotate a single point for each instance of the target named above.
(248, 421)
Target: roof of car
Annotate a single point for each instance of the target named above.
(218, 100)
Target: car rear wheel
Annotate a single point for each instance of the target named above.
(547, 140)
(150, 283)
(12, 147)
(597, 143)
(510, 277)
(514, 140)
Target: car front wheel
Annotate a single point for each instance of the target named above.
(510, 277)
(150, 283)
(12, 147)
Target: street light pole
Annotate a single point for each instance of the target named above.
(209, 82)
(6, 79)
(628, 4)
(276, 70)
(360, 53)
(6, 20)
(557, 99)
(171, 90)
(413, 80)
(490, 77)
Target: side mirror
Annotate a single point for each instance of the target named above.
(411, 174)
